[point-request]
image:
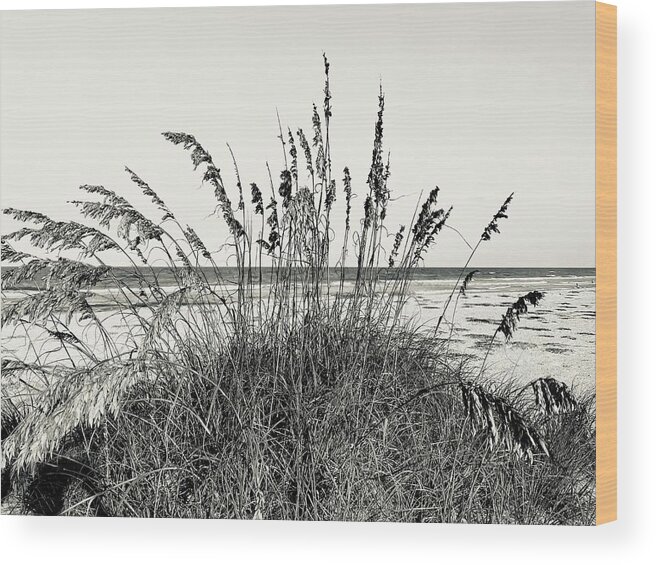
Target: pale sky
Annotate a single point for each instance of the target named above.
(481, 99)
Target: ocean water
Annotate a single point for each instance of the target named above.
(166, 276)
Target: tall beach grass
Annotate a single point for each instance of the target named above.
(287, 391)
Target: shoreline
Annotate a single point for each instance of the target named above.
(556, 340)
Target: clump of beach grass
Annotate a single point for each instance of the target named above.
(288, 391)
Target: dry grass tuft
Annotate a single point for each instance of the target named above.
(553, 397)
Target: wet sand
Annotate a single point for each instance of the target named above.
(555, 339)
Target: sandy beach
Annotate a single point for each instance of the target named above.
(556, 339)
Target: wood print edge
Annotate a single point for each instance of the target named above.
(606, 260)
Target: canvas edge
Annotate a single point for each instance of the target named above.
(606, 260)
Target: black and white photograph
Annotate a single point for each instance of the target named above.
(312, 263)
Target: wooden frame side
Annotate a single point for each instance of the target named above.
(606, 259)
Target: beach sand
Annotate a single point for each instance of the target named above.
(555, 339)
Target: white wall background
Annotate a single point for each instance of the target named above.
(630, 540)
